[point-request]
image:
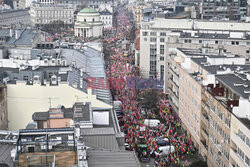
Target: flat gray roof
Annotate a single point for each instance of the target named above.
(98, 158)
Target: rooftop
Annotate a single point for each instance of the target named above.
(5, 154)
(236, 83)
(25, 37)
(100, 138)
(212, 36)
(98, 158)
(88, 10)
(105, 12)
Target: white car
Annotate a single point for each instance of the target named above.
(165, 150)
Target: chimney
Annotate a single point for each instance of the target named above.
(248, 76)
(11, 32)
(17, 33)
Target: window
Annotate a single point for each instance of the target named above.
(162, 72)
(200, 41)
(247, 161)
(233, 43)
(227, 122)
(240, 152)
(219, 113)
(242, 135)
(161, 49)
(216, 42)
(162, 40)
(185, 41)
(212, 107)
(248, 51)
(152, 39)
(152, 33)
(25, 78)
(162, 34)
(162, 58)
(237, 42)
(248, 142)
(145, 33)
(145, 39)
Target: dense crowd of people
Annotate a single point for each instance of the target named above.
(118, 70)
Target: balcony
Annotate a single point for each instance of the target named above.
(205, 106)
(235, 157)
(205, 120)
(204, 133)
(203, 148)
(171, 79)
(173, 93)
(174, 72)
(176, 109)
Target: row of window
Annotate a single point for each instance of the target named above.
(154, 39)
(222, 116)
(52, 12)
(219, 130)
(190, 97)
(215, 42)
(243, 156)
(190, 123)
(102, 17)
(244, 138)
(216, 158)
(145, 33)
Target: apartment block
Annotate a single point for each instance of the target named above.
(157, 35)
(240, 142)
(208, 91)
(58, 77)
(45, 14)
(224, 9)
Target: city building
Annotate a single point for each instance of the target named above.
(15, 18)
(209, 91)
(3, 107)
(54, 147)
(107, 18)
(157, 34)
(99, 4)
(52, 14)
(240, 141)
(19, 4)
(224, 9)
(23, 39)
(81, 114)
(88, 23)
(49, 73)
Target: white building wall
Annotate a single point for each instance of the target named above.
(243, 110)
(24, 100)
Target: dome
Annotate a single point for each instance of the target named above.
(88, 10)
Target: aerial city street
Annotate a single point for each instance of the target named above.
(125, 83)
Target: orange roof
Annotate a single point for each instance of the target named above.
(137, 43)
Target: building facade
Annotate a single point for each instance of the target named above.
(15, 18)
(156, 35)
(208, 91)
(51, 14)
(107, 18)
(3, 107)
(224, 9)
